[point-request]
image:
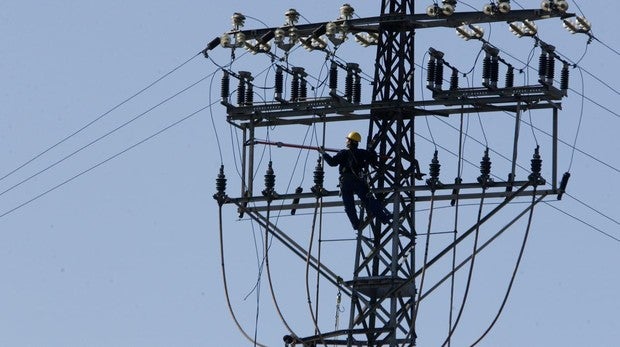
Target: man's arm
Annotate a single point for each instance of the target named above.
(332, 161)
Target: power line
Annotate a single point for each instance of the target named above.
(49, 167)
(27, 202)
(98, 118)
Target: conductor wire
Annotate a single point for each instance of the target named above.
(98, 118)
(459, 171)
(312, 313)
(471, 269)
(426, 247)
(514, 272)
(230, 309)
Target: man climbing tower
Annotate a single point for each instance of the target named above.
(352, 164)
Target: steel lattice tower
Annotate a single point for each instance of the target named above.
(385, 261)
(382, 289)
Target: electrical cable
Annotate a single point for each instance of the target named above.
(605, 45)
(522, 167)
(471, 270)
(584, 222)
(49, 167)
(309, 300)
(217, 137)
(36, 197)
(457, 204)
(567, 194)
(572, 155)
(514, 272)
(226, 294)
(87, 125)
(426, 250)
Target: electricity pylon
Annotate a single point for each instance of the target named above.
(383, 287)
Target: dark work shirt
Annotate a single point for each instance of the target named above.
(351, 160)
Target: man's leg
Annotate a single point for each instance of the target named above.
(349, 204)
(372, 204)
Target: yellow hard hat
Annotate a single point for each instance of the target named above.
(355, 136)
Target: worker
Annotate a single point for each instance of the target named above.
(352, 163)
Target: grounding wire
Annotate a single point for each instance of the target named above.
(140, 115)
(99, 117)
(40, 195)
(514, 272)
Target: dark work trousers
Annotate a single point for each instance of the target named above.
(350, 184)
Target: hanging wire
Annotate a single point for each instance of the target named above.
(424, 265)
(87, 125)
(226, 293)
(309, 300)
(471, 270)
(459, 171)
(574, 145)
(514, 272)
(215, 132)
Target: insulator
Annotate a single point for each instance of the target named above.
(536, 162)
(295, 88)
(510, 77)
(303, 89)
(485, 168)
(225, 90)
(270, 180)
(241, 92)
(434, 167)
(279, 82)
(357, 89)
(536, 166)
(564, 78)
(220, 182)
(319, 177)
(430, 77)
(494, 71)
(439, 73)
(485, 164)
(249, 94)
(486, 68)
(348, 85)
(333, 77)
(542, 66)
(454, 80)
(550, 69)
(563, 185)
(298, 191)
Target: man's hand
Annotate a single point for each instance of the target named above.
(321, 149)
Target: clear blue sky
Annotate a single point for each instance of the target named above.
(127, 254)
